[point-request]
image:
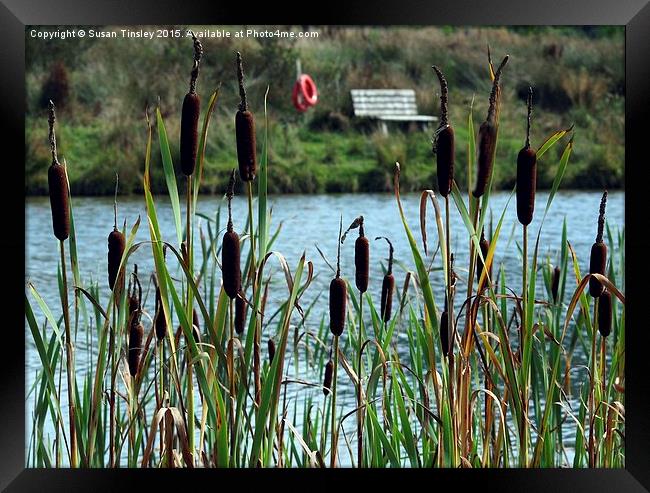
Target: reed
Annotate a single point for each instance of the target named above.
(443, 141)
(245, 131)
(190, 116)
(57, 180)
(487, 136)
(526, 173)
(555, 283)
(230, 250)
(598, 258)
(337, 308)
(605, 313)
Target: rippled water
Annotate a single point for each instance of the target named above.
(307, 221)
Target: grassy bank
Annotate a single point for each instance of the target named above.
(102, 87)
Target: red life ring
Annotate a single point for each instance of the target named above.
(305, 93)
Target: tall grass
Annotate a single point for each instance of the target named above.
(496, 393)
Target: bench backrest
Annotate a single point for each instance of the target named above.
(383, 102)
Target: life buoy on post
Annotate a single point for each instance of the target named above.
(305, 94)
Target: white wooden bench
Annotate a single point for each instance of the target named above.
(389, 105)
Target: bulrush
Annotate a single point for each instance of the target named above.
(555, 283)
(240, 313)
(230, 253)
(271, 347)
(605, 313)
(160, 323)
(598, 259)
(327, 379)
(387, 285)
(57, 181)
(116, 245)
(190, 116)
(487, 136)
(361, 255)
(526, 174)
(443, 141)
(136, 329)
(338, 295)
(485, 246)
(245, 131)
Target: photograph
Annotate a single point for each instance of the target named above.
(325, 246)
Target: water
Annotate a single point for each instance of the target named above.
(307, 221)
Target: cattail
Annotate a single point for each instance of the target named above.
(485, 246)
(57, 181)
(338, 295)
(190, 116)
(555, 283)
(195, 320)
(387, 285)
(116, 245)
(327, 380)
(526, 174)
(230, 253)
(444, 331)
(160, 323)
(598, 259)
(605, 313)
(271, 345)
(240, 313)
(487, 136)
(245, 131)
(361, 255)
(136, 335)
(444, 141)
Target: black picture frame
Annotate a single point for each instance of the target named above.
(633, 14)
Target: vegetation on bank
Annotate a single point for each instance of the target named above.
(101, 88)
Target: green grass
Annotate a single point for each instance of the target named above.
(327, 149)
(420, 409)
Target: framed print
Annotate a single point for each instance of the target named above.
(407, 236)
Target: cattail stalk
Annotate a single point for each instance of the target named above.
(387, 286)
(487, 136)
(190, 116)
(443, 141)
(59, 203)
(598, 259)
(245, 131)
(362, 266)
(555, 283)
(338, 295)
(526, 174)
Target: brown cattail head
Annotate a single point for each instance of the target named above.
(443, 141)
(57, 181)
(271, 347)
(555, 284)
(487, 136)
(605, 313)
(388, 285)
(136, 336)
(338, 299)
(189, 132)
(361, 255)
(444, 331)
(485, 246)
(327, 380)
(526, 174)
(195, 320)
(240, 313)
(116, 245)
(598, 258)
(245, 131)
(230, 264)
(338, 294)
(134, 293)
(387, 288)
(160, 323)
(230, 250)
